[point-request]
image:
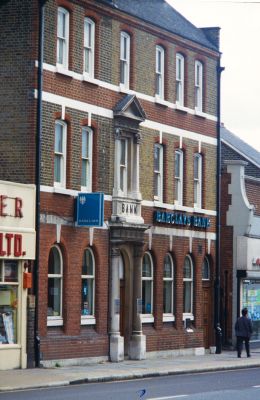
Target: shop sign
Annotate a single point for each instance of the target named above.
(89, 209)
(17, 220)
(173, 218)
(128, 208)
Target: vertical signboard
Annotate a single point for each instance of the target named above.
(90, 209)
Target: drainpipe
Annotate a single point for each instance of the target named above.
(38, 177)
(218, 330)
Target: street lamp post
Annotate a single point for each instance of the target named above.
(217, 326)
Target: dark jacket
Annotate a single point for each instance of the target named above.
(243, 327)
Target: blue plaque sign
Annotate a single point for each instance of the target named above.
(90, 209)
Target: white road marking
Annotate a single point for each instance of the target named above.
(168, 397)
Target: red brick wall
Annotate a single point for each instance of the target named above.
(63, 342)
(172, 335)
(226, 261)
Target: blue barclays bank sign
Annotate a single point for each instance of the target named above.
(172, 218)
(89, 209)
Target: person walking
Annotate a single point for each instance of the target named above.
(243, 329)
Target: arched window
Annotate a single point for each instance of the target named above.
(55, 275)
(88, 286)
(147, 284)
(168, 285)
(188, 286)
(63, 38)
(205, 270)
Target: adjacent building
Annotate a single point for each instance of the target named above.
(127, 111)
(240, 234)
(17, 252)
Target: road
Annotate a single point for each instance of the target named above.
(239, 384)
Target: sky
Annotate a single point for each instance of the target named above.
(239, 44)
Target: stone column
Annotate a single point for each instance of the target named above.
(116, 341)
(137, 348)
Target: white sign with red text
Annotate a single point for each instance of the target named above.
(17, 220)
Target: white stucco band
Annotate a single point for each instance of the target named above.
(107, 113)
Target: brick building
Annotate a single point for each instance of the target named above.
(128, 107)
(240, 234)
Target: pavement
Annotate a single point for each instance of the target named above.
(21, 379)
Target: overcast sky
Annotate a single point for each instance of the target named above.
(239, 43)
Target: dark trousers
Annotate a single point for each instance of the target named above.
(240, 340)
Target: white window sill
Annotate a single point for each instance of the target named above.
(177, 204)
(88, 320)
(54, 321)
(158, 203)
(179, 107)
(200, 113)
(168, 318)
(147, 318)
(90, 79)
(198, 209)
(60, 69)
(60, 190)
(85, 189)
(187, 316)
(159, 100)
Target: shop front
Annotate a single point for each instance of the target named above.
(17, 247)
(251, 300)
(249, 257)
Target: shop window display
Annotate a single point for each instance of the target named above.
(251, 300)
(8, 301)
